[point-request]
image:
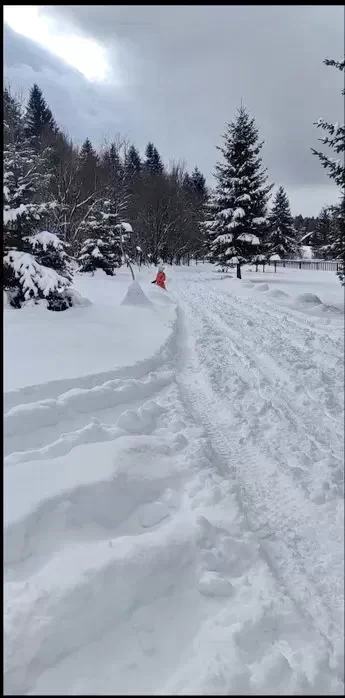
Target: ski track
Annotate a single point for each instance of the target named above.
(215, 491)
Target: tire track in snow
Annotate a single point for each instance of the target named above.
(263, 486)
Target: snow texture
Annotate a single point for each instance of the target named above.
(175, 526)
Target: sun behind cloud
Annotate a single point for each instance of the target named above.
(83, 54)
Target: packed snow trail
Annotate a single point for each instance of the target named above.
(251, 378)
(177, 527)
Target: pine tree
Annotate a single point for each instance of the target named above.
(95, 254)
(281, 234)
(50, 251)
(102, 247)
(322, 235)
(199, 183)
(25, 275)
(237, 212)
(334, 138)
(153, 162)
(24, 179)
(132, 163)
(39, 119)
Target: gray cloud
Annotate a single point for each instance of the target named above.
(180, 73)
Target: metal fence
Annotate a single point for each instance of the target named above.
(321, 264)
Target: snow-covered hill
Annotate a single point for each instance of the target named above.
(174, 488)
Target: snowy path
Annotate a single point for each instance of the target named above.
(177, 527)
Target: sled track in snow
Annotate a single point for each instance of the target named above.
(249, 409)
(152, 509)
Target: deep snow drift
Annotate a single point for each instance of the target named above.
(174, 488)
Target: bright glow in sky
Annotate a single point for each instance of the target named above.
(85, 55)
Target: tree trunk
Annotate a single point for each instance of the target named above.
(238, 271)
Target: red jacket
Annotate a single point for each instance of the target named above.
(160, 279)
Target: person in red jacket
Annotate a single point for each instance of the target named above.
(160, 278)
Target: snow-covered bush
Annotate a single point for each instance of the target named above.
(50, 251)
(29, 280)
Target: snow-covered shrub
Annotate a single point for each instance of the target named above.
(50, 251)
(30, 280)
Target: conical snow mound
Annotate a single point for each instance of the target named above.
(135, 296)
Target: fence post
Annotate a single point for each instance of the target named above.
(256, 267)
(300, 265)
(275, 267)
(263, 267)
(337, 266)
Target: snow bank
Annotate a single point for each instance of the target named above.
(308, 298)
(98, 335)
(135, 296)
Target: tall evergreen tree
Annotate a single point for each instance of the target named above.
(334, 138)
(153, 162)
(87, 152)
(281, 233)
(132, 163)
(238, 209)
(88, 169)
(199, 183)
(39, 120)
(30, 272)
(323, 231)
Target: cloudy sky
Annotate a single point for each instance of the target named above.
(176, 74)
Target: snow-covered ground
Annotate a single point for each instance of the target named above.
(174, 488)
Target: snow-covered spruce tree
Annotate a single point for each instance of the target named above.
(95, 254)
(153, 162)
(321, 238)
(335, 139)
(237, 211)
(281, 239)
(102, 247)
(24, 277)
(132, 164)
(39, 121)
